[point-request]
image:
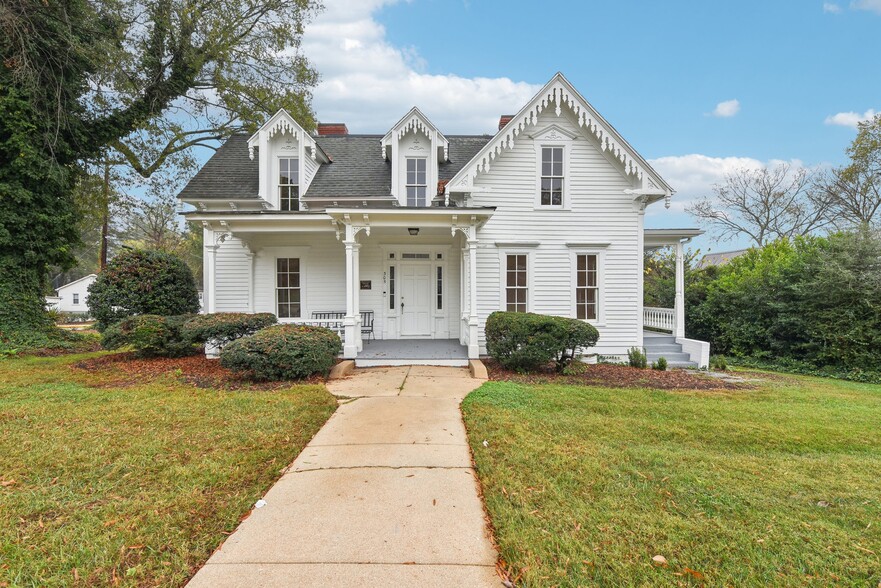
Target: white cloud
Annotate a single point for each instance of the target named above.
(727, 108)
(831, 8)
(693, 176)
(870, 5)
(368, 83)
(850, 119)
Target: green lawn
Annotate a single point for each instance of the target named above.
(778, 486)
(133, 486)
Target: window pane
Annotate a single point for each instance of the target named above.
(546, 168)
(558, 168)
(420, 165)
(512, 262)
(282, 264)
(592, 262)
(411, 165)
(582, 262)
(556, 199)
(546, 155)
(282, 280)
(283, 296)
(521, 262)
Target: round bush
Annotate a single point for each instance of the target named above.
(525, 341)
(223, 327)
(150, 335)
(142, 282)
(283, 352)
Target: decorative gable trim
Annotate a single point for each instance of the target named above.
(414, 120)
(556, 94)
(284, 123)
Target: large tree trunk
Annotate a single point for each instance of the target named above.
(105, 218)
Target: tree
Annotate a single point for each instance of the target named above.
(854, 196)
(764, 204)
(144, 78)
(142, 282)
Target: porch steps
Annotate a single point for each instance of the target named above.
(659, 345)
(380, 362)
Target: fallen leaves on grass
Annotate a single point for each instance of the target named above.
(616, 376)
(121, 369)
(660, 560)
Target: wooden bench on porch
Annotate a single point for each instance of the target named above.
(333, 320)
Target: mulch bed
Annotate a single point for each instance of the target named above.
(196, 370)
(615, 376)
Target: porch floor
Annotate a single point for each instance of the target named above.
(447, 352)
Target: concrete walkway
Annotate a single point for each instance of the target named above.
(383, 496)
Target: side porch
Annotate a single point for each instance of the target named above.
(664, 328)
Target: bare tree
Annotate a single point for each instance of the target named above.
(765, 204)
(854, 196)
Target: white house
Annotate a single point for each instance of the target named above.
(418, 236)
(72, 296)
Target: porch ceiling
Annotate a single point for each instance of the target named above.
(654, 238)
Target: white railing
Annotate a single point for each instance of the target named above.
(663, 319)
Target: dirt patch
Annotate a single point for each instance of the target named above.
(125, 369)
(615, 376)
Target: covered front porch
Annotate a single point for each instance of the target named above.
(664, 334)
(389, 281)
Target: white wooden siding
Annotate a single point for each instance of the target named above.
(323, 275)
(600, 213)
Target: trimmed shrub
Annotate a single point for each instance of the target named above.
(283, 352)
(719, 363)
(636, 358)
(142, 282)
(150, 335)
(222, 328)
(660, 365)
(526, 342)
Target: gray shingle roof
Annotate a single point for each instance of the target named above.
(230, 173)
(358, 169)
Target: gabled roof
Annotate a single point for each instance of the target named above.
(557, 93)
(228, 175)
(415, 120)
(77, 281)
(282, 122)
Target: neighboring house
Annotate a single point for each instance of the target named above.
(427, 233)
(720, 258)
(72, 296)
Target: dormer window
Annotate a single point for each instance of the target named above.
(417, 182)
(552, 176)
(289, 183)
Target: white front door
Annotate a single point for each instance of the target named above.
(415, 299)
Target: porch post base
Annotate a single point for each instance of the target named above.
(350, 352)
(474, 351)
(350, 347)
(473, 339)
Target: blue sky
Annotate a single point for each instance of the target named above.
(699, 88)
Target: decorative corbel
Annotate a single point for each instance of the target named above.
(336, 228)
(233, 205)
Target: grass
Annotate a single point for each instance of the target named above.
(777, 486)
(133, 486)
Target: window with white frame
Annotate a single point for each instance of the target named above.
(586, 286)
(288, 294)
(552, 176)
(417, 182)
(440, 287)
(516, 284)
(76, 298)
(289, 183)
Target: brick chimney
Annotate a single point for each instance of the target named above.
(326, 129)
(505, 119)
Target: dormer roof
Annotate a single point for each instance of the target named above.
(416, 121)
(282, 122)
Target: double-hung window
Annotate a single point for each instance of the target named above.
(516, 285)
(76, 298)
(417, 182)
(552, 176)
(586, 286)
(288, 293)
(289, 183)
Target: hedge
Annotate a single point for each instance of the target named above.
(526, 342)
(222, 328)
(150, 335)
(283, 352)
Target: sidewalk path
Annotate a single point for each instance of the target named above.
(384, 495)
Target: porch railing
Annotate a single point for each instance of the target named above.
(662, 319)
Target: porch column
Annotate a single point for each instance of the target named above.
(356, 293)
(463, 295)
(209, 273)
(252, 257)
(473, 335)
(350, 347)
(679, 304)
